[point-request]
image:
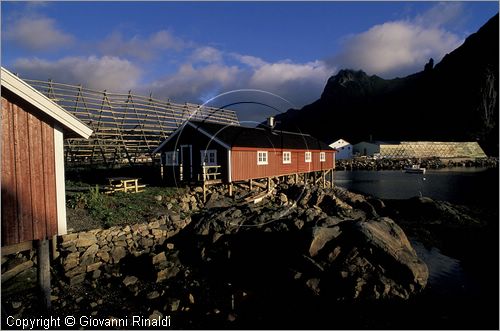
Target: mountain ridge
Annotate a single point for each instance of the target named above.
(455, 100)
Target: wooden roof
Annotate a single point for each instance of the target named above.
(230, 136)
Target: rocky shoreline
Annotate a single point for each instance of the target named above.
(303, 251)
(363, 163)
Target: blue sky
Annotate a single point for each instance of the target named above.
(192, 51)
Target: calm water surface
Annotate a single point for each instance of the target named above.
(449, 280)
(470, 186)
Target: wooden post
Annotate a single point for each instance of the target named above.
(231, 189)
(331, 179)
(55, 253)
(324, 179)
(204, 192)
(296, 178)
(268, 184)
(161, 172)
(250, 184)
(43, 271)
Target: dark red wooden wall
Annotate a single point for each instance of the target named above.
(244, 163)
(29, 206)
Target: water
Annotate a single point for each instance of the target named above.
(469, 186)
(457, 295)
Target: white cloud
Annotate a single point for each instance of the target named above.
(206, 54)
(37, 33)
(400, 48)
(208, 74)
(275, 74)
(111, 73)
(138, 47)
(441, 14)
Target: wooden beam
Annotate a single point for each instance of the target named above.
(11, 249)
(43, 271)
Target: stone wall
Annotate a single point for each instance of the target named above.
(85, 254)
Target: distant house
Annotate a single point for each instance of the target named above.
(365, 148)
(344, 149)
(420, 149)
(33, 191)
(241, 153)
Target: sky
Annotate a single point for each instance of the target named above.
(278, 53)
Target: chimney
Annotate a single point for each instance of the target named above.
(270, 122)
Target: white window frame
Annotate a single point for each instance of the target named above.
(261, 160)
(287, 160)
(207, 153)
(308, 157)
(322, 157)
(172, 158)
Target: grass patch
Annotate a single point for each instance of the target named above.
(120, 208)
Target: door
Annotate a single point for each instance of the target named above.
(187, 162)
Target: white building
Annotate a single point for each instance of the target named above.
(344, 149)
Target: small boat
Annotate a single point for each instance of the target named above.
(415, 169)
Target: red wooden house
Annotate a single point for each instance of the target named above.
(33, 190)
(241, 153)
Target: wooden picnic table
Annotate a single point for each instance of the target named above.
(124, 184)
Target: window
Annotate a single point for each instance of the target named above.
(171, 158)
(322, 157)
(261, 157)
(308, 157)
(287, 157)
(209, 157)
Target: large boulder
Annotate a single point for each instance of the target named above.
(370, 259)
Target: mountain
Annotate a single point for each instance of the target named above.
(456, 100)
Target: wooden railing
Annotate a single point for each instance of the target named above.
(209, 173)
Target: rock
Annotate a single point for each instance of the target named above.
(174, 304)
(75, 271)
(313, 285)
(88, 256)
(231, 317)
(170, 246)
(118, 253)
(156, 315)
(104, 256)
(69, 237)
(94, 266)
(283, 198)
(320, 237)
(16, 270)
(153, 295)
(129, 280)
(85, 239)
(158, 198)
(77, 279)
(388, 237)
(191, 299)
(96, 274)
(16, 304)
(159, 258)
(167, 273)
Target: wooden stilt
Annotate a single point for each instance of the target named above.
(250, 184)
(331, 178)
(230, 189)
(296, 178)
(55, 253)
(204, 192)
(268, 184)
(324, 179)
(43, 271)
